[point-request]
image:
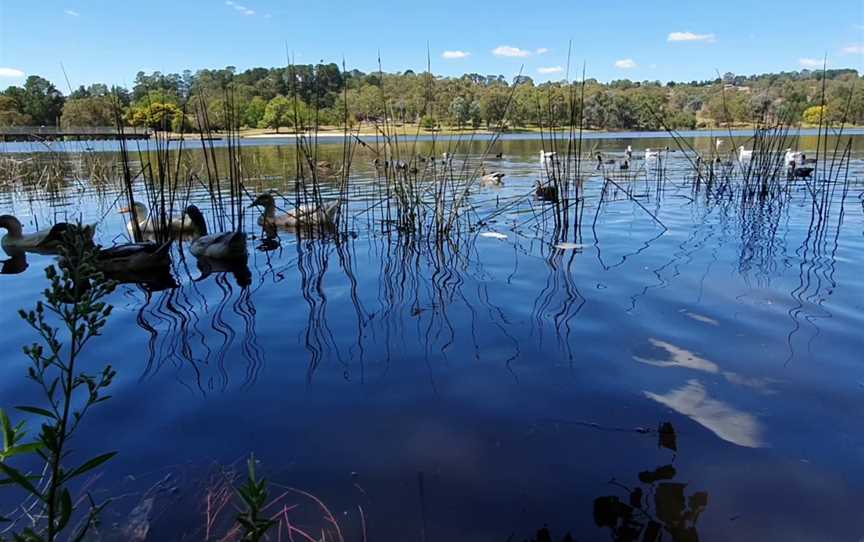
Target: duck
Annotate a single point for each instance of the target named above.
(133, 257)
(744, 155)
(800, 172)
(545, 193)
(46, 241)
(547, 157)
(791, 158)
(499, 155)
(651, 155)
(496, 178)
(147, 225)
(217, 246)
(629, 152)
(304, 215)
(625, 166)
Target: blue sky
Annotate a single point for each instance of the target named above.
(109, 41)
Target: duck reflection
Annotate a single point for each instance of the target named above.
(177, 321)
(657, 508)
(239, 269)
(15, 264)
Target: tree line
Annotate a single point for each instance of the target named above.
(324, 95)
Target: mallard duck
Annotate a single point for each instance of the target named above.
(148, 225)
(218, 246)
(133, 257)
(545, 193)
(496, 178)
(304, 215)
(47, 241)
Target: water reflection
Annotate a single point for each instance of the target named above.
(198, 336)
(725, 421)
(657, 506)
(15, 264)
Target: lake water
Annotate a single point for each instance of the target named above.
(482, 390)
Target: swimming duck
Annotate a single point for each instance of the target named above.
(47, 240)
(744, 155)
(548, 157)
(218, 246)
(133, 257)
(304, 215)
(651, 155)
(793, 158)
(148, 225)
(545, 193)
(496, 178)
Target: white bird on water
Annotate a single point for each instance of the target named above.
(548, 157)
(651, 155)
(744, 155)
(796, 157)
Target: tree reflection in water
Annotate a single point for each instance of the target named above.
(657, 505)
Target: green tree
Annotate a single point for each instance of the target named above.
(460, 111)
(91, 111)
(279, 112)
(254, 111)
(155, 115)
(42, 101)
(11, 114)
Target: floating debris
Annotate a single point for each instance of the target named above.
(493, 235)
(569, 246)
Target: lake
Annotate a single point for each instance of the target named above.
(685, 361)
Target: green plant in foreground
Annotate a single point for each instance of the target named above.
(72, 304)
(254, 496)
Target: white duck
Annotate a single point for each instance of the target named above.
(744, 155)
(303, 215)
(796, 157)
(47, 240)
(218, 246)
(548, 157)
(148, 224)
(651, 155)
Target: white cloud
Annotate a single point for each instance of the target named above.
(71, 13)
(243, 10)
(455, 54)
(625, 64)
(725, 421)
(550, 69)
(854, 49)
(691, 36)
(810, 62)
(542, 51)
(508, 50)
(11, 72)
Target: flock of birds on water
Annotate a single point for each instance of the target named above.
(232, 246)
